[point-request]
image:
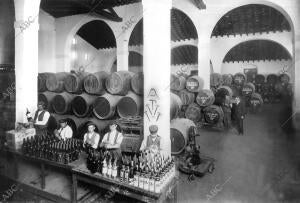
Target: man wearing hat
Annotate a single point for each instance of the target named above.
(91, 138)
(65, 131)
(112, 140)
(40, 119)
(153, 140)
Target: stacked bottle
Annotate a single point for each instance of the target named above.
(50, 148)
(146, 171)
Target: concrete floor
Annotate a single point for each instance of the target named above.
(257, 167)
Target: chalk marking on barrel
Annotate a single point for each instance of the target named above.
(147, 115)
(156, 109)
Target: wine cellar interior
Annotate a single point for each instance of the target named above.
(203, 95)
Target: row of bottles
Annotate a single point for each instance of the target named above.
(49, 147)
(148, 172)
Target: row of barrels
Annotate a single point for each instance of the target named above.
(217, 79)
(99, 83)
(84, 105)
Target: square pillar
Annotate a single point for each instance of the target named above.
(157, 68)
(26, 56)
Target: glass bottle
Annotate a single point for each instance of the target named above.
(109, 169)
(104, 167)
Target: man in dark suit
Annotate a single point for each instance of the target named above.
(238, 113)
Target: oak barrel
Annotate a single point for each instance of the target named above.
(186, 97)
(194, 83)
(248, 89)
(272, 79)
(130, 105)
(47, 97)
(216, 79)
(179, 134)
(239, 78)
(119, 82)
(42, 78)
(227, 79)
(94, 83)
(205, 98)
(213, 114)
(193, 112)
(284, 78)
(177, 82)
(260, 79)
(74, 82)
(62, 103)
(105, 106)
(175, 105)
(82, 105)
(137, 83)
(55, 82)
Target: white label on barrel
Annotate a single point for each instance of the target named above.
(192, 84)
(239, 79)
(203, 99)
(211, 115)
(255, 102)
(247, 90)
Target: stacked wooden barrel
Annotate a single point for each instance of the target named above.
(99, 97)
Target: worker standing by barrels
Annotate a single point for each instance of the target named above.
(226, 107)
(238, 113)
(65, 131)
(40, 119)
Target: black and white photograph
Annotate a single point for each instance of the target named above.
(149, 101)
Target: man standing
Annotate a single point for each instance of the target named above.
(112, 141)
(65, 131)
(152, 142)
(40, 119)
(226, 107)
(238, 113)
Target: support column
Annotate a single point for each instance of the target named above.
(296, 110)
(26, 56)
(204, 59)
(122, 54)
(157, 66)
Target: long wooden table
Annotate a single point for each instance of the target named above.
(42, 162)
(81, 173)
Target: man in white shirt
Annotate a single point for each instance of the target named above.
(112, 140)
(65, 131)
(40, 119)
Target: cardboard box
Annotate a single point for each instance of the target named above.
(15, 138)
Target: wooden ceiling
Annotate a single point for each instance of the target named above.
(98, 34)
(257, 50)
(184, 55)
(62, 8)
(253, 18)
(182, 26)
